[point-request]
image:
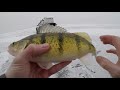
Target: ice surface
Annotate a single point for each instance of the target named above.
(77, 69)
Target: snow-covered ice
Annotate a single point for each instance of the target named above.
(74, 70)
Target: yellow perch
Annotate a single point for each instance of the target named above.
(64, 46)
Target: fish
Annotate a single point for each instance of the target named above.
(63, 47)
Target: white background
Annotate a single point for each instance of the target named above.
(13, 21)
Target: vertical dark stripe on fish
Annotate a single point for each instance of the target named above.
(77, 39)
(87, 43)
(43, 38)
(60, 42)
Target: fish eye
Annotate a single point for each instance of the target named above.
(13, 43)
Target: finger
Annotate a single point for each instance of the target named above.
(58, 67)
(112, 51)
(108, 65)
(113, 40)
(118, 63)
(36, 50)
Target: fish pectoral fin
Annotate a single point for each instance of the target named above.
(45, 65)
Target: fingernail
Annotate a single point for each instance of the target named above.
(45, 45)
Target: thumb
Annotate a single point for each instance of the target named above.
(33, 51)
(30, 53)
(36, 50)
(112, 68)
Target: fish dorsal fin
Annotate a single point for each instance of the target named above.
(84, 35)
(46, 20)
(47, 28)
(47, 25)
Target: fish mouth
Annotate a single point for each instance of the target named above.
(11, 51)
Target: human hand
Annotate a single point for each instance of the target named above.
(113, 69)
(21, 66)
